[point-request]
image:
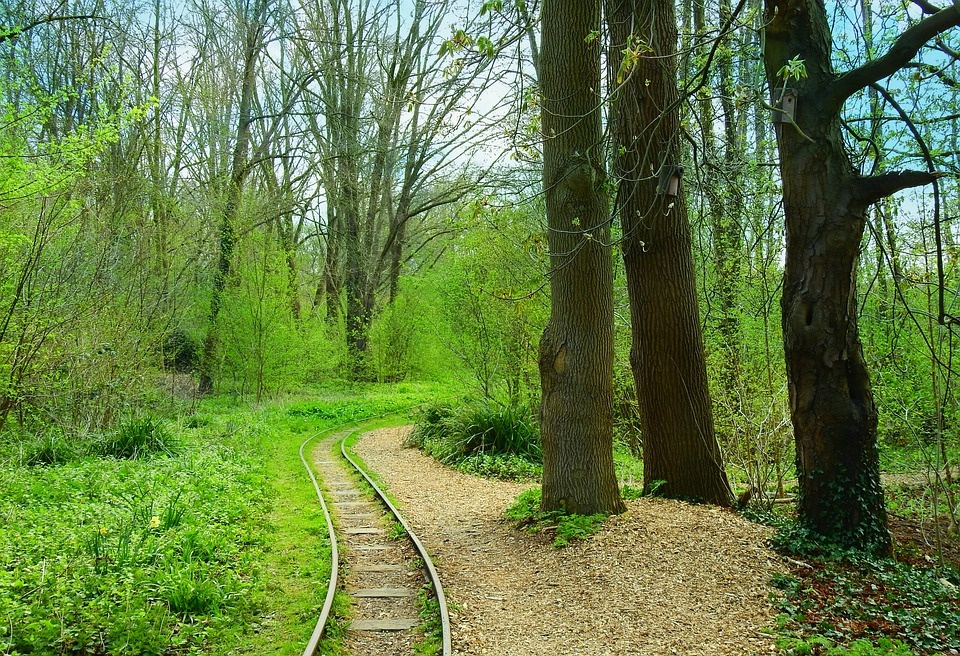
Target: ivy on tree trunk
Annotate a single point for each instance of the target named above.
(825, 203)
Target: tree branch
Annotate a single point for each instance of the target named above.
(935, 71)
(15, 32)
(872, 188)
(899, 55)
(927, 7)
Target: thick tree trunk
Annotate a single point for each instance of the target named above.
(831, 402)
(681, 455)
(576, 351)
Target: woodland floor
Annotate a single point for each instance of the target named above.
(663, 578)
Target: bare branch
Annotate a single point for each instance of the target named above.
(16, 32)
(899, 55)
(871, 189)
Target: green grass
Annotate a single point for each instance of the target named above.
(198, 536)
(145, 556)
(297, 558)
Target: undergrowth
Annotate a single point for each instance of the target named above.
(838, 601)
(430, 642)
(131, 555)
(526, 513)
(171, 537)
(481, 437)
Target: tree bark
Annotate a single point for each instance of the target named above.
(576, 350)
(681, 455)
(825, 202)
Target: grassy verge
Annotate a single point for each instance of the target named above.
(208, 542)
(295, 559)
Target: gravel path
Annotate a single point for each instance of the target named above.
(664, 578)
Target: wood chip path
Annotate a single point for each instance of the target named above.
(664, 578)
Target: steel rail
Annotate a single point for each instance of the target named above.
(447, 649)
(317, 635)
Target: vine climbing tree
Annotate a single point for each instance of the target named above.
(825, 204)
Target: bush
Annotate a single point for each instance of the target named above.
(478, 427)
(49, 449)
(138, 438)
(481, 438)
(181, 351)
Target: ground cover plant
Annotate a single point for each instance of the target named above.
(837, 601)
(132, 555)
(565, 528)
(481, 437)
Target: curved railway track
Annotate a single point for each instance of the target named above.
(385, 561)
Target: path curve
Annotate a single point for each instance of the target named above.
(664, 578)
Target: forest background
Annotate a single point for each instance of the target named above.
(251, 197)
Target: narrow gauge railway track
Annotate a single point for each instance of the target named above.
(384, 561)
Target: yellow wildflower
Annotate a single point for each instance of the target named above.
(104, 530)
(154, 522)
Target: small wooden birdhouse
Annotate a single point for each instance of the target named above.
(668, 181)
(786, 105)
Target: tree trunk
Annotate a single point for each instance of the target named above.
(681, 455)
(831, 401)
(576, 351)
(253, 43)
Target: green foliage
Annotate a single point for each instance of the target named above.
(432, 628)
(400, 345)
(628, 492)
(74, 329)
(820, 645)
(526, 507)
(794, 69)
(481, 437)
(48, 448)
(181, 351)
(526, 512)
(139, 438)
(489, 300)
(628, 466)
(207, 549)
(262, 348)
(505, 466)
(845, 595)
(339, 412)
(142, 557)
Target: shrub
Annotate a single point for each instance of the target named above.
(138, 438)
(481, 438)
(181, 351)
(478, 427)
(51, 448)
